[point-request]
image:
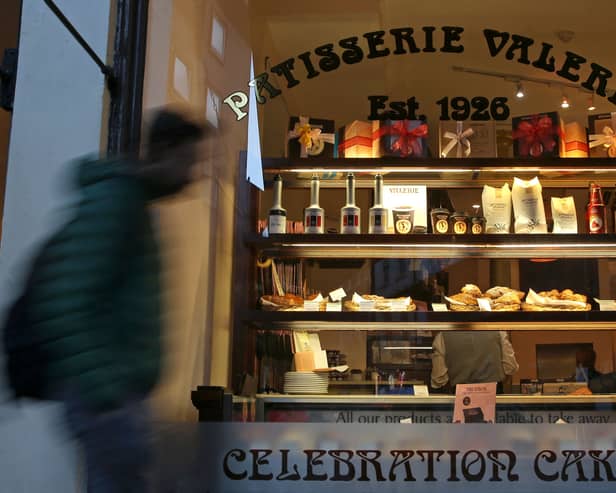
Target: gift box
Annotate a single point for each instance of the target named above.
(602, 130)
(358, 139)
(457, 139)
(310, 137)
(576, 144)
(538, 135)
(402, 138)
(504, 140)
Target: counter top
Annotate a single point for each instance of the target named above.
(432, 399)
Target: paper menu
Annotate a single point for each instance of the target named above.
(475, 403)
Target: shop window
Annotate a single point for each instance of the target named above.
(217, 41)
(180, 79)
(212, 107)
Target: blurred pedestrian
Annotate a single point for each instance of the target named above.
(96, 300)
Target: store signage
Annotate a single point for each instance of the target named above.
(427, 39)
(299, 457)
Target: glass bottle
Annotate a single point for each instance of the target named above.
(314, 215)
(277, 217)
(349, 214)
(379, 215)
(595, 211)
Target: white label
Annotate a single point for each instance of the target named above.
(277, 225)
(337, 294)
(484, 304)
(421, 390)
(312, 306)
(334, 307)
(439, 307)
(366, 305)
(399, 306)
(606, 305)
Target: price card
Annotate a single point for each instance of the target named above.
(421, 390)
(399, 306)
(312, 306)
(484, 304)
(606, 305)
(366, 305)
(439, 307)
(337, 294)
(333, 307)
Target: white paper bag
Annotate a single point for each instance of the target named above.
(528, 209)
(497, 208)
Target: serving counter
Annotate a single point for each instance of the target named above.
(537, 409)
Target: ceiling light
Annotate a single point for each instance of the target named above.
(564, 102)
(519, 92)
(591, 103)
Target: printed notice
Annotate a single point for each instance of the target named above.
(475, 403)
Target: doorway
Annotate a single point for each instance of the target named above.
(9, 38)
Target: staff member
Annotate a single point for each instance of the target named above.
(471, 357)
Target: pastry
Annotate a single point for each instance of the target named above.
(471, 290)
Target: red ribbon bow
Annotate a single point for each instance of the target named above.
(408, 142)
(536, 136)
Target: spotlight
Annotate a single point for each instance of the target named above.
(519, 92)
(591, 103)
(564, 102)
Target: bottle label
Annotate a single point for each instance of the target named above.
(595, 223)
(313, 221)
(441, 226)
(277, 224)
(350, 220)
(477, 229)
(459, 227)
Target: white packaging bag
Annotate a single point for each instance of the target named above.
(496, 204)
(563, 212)
(528, 209)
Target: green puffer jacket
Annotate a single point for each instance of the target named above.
(96, 298)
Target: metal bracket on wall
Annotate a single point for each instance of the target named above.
(8, 74)
(105, 69)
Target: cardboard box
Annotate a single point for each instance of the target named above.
(604, 125)
(482, 140)
(358, 139)
(403, 138)
(319, 132)
(576, 143)
(538, 135)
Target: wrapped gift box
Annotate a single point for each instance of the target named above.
(504, 140)
(402, 138)
(310, 137)
(576, 143)
(538, 135)
(602, 130)
(482, 140)
(358, 139)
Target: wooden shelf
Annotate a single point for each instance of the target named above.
(363, 246)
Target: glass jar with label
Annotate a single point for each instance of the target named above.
(458, 223)
(440, 220)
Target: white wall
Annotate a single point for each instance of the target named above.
(57, 117)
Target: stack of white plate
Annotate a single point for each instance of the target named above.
(305, 382)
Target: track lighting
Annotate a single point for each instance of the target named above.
(519, 92)
(564, 102)
(591, 103)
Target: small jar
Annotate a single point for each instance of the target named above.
(440, 221)
(478, 225)
(458, 223)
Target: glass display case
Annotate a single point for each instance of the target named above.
(430, 267)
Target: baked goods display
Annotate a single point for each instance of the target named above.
(284, 302)
(373, 302)
(498, 298)
(555, 300)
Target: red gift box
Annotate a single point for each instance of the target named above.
(402, 138)
(538, 135)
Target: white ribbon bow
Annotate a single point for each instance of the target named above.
(606, 139)
(311, 139)
(460, 139)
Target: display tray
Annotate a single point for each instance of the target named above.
(543, 246)
(385, 321)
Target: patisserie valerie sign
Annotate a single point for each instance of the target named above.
(407, 41)
(301, 457)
